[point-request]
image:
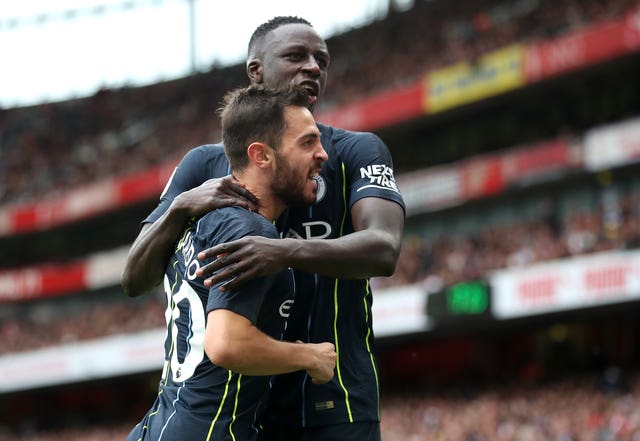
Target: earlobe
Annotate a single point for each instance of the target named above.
(254, 70)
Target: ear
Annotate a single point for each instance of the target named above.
(260, 154)
(254, 70)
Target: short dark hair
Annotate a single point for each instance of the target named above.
(255, 114)
(272, 24)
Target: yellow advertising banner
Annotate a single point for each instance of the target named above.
(491, 74)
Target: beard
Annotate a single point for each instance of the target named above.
(289, 185)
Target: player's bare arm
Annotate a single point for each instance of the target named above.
(371, 251)
(149, 254)
(233, 342)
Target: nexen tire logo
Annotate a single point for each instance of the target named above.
(379, 176)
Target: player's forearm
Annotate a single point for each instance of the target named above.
(371, 251)
(269, 358)
(367, 253)
(251, 352)
(149, 254)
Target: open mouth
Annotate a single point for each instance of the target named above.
(312, 89)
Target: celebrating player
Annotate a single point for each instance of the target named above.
(221, 347)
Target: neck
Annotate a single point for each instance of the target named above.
(270, 207)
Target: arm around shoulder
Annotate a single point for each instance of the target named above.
(372, 250)
(150, 252)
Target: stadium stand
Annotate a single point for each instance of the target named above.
(559, 375)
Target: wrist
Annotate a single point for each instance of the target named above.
(293, 251)
(302, 356)
(309, 360)
(178, 212)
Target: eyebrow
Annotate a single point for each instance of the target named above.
(303, 47)
(308, 136)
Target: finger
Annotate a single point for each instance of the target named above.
(249, 196)
(209, 268)
(236, 280)
(229, 277)
(242, 191)
(226, 265)
(219, 262)
(232, 200)
(222, 249)
(237, 190)
(246, 199)
(319, 381)
(244, 203)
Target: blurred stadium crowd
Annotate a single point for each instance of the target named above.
(583, 408)
(50, 148)
(455, 258)
(118, 131)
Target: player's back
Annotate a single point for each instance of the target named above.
(196, 398)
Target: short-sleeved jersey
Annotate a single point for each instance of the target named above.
(359, 165)
(198, 400)
(198, 165)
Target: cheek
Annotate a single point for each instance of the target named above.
(323, 82)
(277, 77)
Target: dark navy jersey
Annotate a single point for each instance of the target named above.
(198, 165)
(326, 309)
(198, 400)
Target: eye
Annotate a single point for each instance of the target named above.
(322, 62)
(310, 142)
(294, 56)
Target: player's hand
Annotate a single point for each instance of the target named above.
(326, 358)
(215, 193)
(244, 259)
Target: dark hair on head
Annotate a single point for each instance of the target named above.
(272, 24)
(256, 114)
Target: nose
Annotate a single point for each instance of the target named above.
(311, 66)
(321, 154)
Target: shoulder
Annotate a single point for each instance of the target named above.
(208, 160)
(342, 139)
(208, 151)
(231, 223)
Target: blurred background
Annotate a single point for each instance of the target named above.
(515, 131)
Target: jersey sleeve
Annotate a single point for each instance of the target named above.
(369, 169)
(193, 170)
(234, 223)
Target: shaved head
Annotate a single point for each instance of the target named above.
(269, 26)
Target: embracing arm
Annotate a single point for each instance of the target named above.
(232, 342)
(370, 251)
(150, 252)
